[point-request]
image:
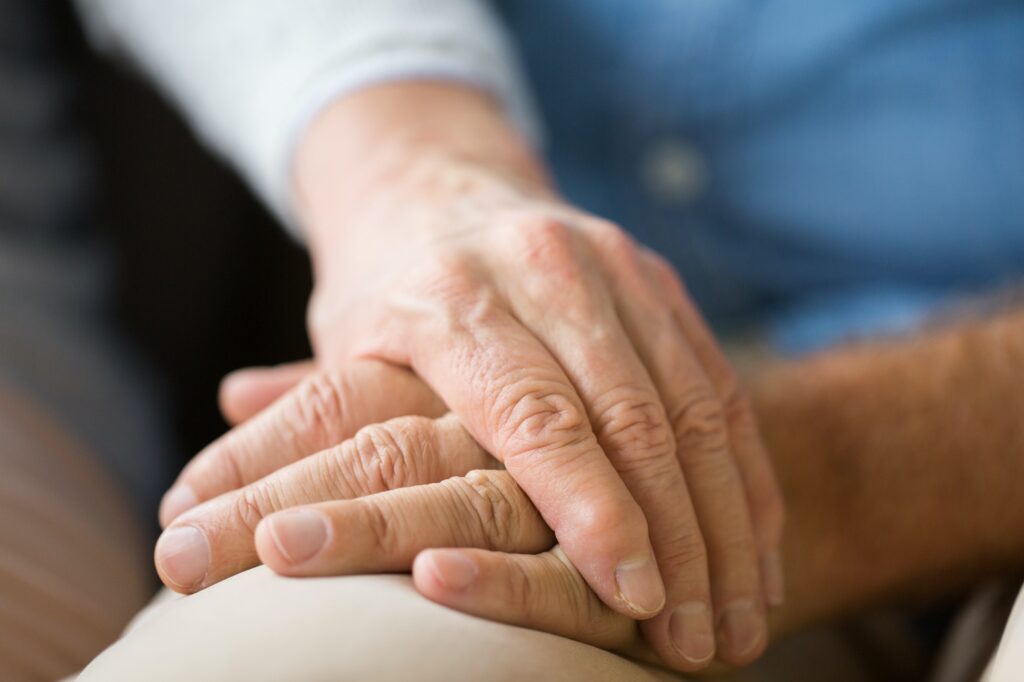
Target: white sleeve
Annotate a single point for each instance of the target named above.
(251, 74)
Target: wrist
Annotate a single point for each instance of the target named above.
(415, 142)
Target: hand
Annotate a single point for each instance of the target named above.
(320, 409)
(402, 452)
(342, 512)
(570, 353)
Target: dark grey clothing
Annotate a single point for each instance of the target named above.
(58, 343)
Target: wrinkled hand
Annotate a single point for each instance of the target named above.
(577, 359)
(567, 351)
(322, 409)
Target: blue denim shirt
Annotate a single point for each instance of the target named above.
(821, 168)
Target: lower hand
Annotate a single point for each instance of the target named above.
(483, 509)
(340, 513)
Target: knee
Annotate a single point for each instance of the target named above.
(260, 626)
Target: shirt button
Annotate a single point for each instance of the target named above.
(674, 172)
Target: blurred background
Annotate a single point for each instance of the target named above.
(167, 207)
(202, 281)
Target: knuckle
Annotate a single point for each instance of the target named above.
(560, 271)
(319, 317)
(381, 520)
(332, 472)
(608, 235)
(551, 249)
(663, 271)
(495, 500)
(699, 423)
(769, 513)
(447, 277)
(740, 548)
(520, 587)
(250, 506)
(686, 555)
(635, 427)
(736, 406)
(586, 611)
(385, 454)
(595, 516)
(546, 240)
(764, 496)
(538, 418)
(319, 410)
(615, 244)
(452, 295)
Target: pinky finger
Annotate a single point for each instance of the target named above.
(541, 592)
(247, 391)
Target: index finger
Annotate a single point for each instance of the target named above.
(323, 410)
(215, 540)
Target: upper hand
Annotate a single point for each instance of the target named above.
(577, 359)
(568, 351)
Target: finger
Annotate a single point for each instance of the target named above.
(323, 410)
(540, 592)
(712, 476)
(519, 404)
(385, 532)
(245, 392)
(764, 494)
(626, 409)
(215, 540)
(684, 633)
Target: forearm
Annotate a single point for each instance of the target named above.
(901, 463)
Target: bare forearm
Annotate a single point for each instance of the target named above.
(901, 463)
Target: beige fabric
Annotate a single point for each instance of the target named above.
(258, 626)
(1008, 664)
(72, 568)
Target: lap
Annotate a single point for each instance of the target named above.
(259, 626)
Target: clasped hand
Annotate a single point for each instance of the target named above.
(560, 347)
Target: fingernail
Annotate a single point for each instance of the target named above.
(692, 632)
(741, 628)
(640, 586)
(298, 534)
(453, 570)
(773, 578)
(183, 556)
(178, 500)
